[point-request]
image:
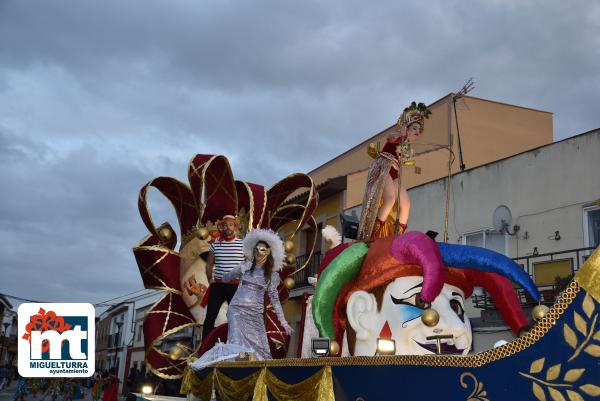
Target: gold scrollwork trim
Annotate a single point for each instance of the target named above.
(478, 393)
(478, 360)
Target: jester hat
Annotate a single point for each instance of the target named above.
(357, 266)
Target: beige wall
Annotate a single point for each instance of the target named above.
(489, 131)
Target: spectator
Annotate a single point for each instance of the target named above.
(21, 389)
(3, 377)
(111, 386)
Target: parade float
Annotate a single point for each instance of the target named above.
(387, 319)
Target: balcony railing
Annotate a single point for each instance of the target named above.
(578, 257)
(301, 277)
(112, 340)
(549, 293)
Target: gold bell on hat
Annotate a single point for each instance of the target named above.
(430, 317)
(334, 347)
(539, 312)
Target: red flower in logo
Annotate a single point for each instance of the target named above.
(44, 321)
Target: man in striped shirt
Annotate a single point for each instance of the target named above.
(225, 253)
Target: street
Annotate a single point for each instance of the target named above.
(8, 395)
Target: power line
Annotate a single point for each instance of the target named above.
(106, 303)
(21, 299)
(102, 303)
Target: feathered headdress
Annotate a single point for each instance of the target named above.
(415, 113)
(269, 237)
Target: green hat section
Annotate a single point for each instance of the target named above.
(341, 270)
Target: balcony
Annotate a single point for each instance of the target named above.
(544, 270)
(301, 277)
(112, 340)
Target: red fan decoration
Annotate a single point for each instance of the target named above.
(212, 192)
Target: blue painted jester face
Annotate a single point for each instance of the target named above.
(399, 317)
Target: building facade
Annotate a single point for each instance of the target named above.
(489, 131)
(117, 332)
(550, 190)
(8, 336)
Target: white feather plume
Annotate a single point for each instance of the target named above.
(271, 238)
(332, 235)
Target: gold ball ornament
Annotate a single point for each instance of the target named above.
(430, 317)
(372, 150)
(165, 234)
(290, 259)
(334, 347)
(289, 283)
(202, 233)
(539, 312)
(289, 246)
(175, 352)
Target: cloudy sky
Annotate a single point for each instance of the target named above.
(98, 97)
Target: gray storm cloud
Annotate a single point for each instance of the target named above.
(96, 98)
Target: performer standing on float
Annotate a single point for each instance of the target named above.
(225, 254)
(383, 189)
(259, 274)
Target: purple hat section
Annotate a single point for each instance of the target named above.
(416, 248)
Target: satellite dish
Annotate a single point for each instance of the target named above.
(502, 218)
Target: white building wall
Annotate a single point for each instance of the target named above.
(546, 190)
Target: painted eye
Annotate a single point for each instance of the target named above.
(457, 307)
(415, 300)
(419, 301)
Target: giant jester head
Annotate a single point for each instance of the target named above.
(211, 194)
(381, 291)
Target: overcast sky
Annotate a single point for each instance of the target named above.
(97, 98)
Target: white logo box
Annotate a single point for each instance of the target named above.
(80, 362)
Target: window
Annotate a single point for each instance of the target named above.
(591, 226)
(545, 273)
(487, 239)
(140, 332)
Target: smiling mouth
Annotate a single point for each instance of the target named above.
(446, 348)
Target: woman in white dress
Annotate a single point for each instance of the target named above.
(259, 274)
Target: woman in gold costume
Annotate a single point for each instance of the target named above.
(381, 192)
